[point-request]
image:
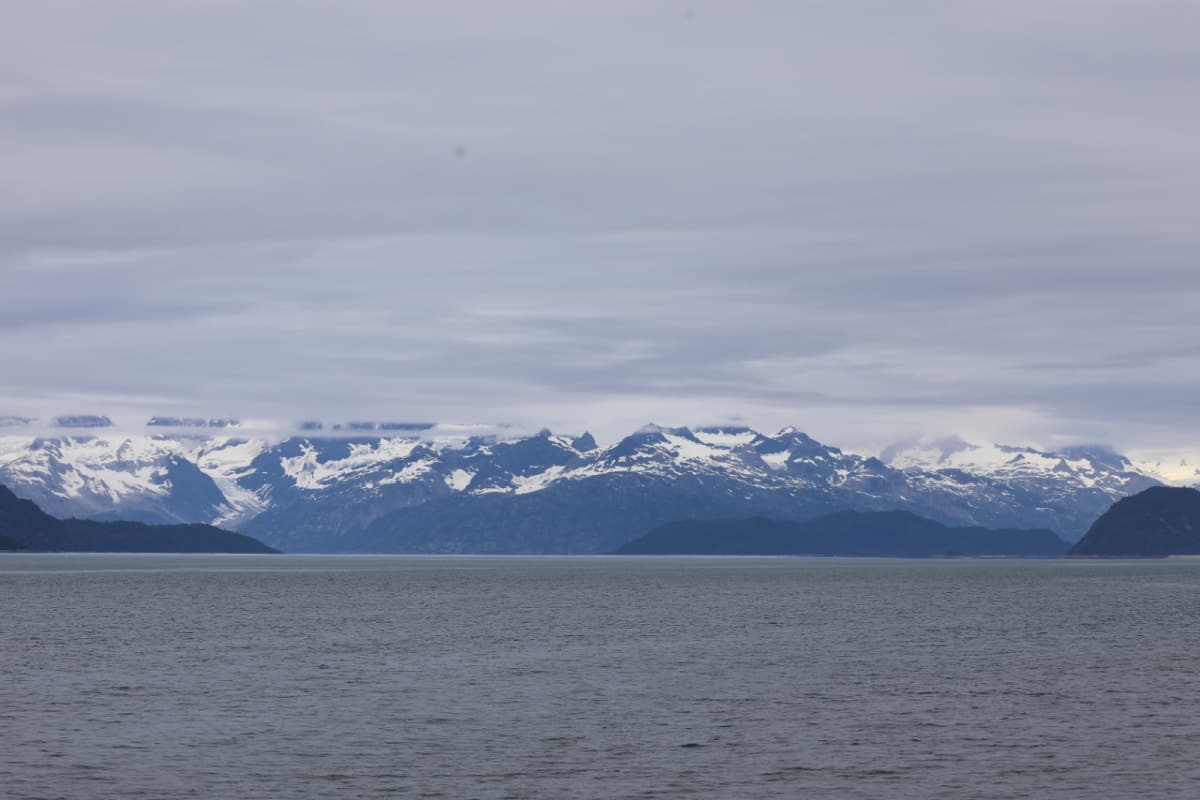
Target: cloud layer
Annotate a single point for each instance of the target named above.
(867, 219)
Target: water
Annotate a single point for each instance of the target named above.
(311, 677)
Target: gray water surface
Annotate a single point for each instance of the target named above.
(314, 677)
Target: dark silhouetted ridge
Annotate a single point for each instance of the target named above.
(1160, 521)
(22, 521)
(843, 533)
(9, 544)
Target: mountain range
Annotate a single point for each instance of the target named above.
(407, 487)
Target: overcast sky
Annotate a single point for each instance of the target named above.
(871, 220)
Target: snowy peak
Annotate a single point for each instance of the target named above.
(584, 443)
(728, 437)
(1098, 455)
(1090, 467)
(510, 465)
(803, 458)
(479, 464)
(319, 464)
(794, 441)
(113, 476)
(658, 450)
(1172, 471)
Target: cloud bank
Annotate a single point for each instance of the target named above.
(869, 220)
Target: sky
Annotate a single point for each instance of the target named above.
(871, 220)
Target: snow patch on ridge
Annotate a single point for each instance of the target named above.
(1085, 467)
(535, 483)
(726, 439)
(410, 472)
(459, 479)
(777, 460)
(687, 449)
(309, 472)
(1174, 470)
(227, 460)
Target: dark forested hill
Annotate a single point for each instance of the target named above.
(22, 521)
(845, 533)
(1160, 521)
(8, 544)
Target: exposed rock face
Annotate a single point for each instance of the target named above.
(1160, 521)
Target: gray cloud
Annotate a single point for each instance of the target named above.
(866, 219)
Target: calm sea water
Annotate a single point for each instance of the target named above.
(316, 677)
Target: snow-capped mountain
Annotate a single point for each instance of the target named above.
(433, 489)
(1086, 467)
(110, 477)
(1173, 472)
